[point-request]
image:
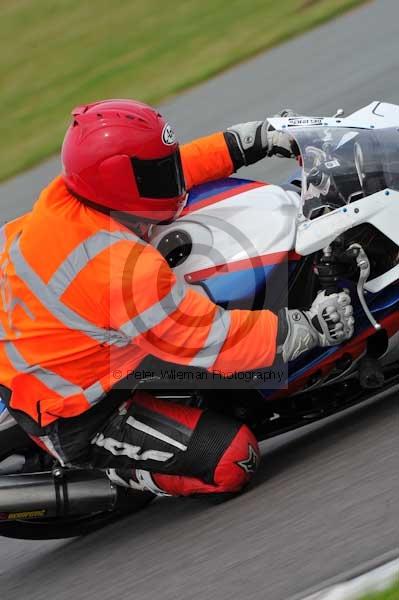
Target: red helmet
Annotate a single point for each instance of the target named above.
(122, 155)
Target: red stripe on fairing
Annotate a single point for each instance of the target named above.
(236, 191)
(354, 347)
(242, 265)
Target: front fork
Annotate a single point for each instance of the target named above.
(329, 269)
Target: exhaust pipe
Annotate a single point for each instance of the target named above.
(59, 493)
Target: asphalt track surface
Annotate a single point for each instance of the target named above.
(326, 499)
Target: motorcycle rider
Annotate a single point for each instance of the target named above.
(84, 299)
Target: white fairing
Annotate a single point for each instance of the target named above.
(247, 225)
(377, 115)
(380, 209)
(268, 219)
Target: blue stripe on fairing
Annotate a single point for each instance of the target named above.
(232, 287)
(245, 286)
(207, 190)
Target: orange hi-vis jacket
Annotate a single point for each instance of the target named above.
(83, 300)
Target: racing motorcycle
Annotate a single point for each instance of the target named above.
(248, 244)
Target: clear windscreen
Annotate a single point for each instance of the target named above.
(341, 165)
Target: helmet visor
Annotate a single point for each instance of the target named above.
(160, 177)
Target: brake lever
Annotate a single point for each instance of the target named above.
(363, 264)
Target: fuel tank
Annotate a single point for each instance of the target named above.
(234, 241)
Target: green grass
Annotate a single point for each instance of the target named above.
(55, 54)
(390, 594)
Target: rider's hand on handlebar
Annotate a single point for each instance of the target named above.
(252, 141)
(328, 322)
(280, 143)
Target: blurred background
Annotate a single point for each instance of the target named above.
(325, 505)
(56, 54)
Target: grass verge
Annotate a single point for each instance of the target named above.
(390, 594)
(56, 54)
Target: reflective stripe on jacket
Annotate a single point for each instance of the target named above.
(83, 300)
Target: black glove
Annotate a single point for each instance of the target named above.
(252, 141)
